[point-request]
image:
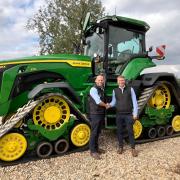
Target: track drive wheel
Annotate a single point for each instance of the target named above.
(80, 134)
(12, 146)
(137, 128)
(51, 113)
(176, 123)
(161, 98)
(161, 131)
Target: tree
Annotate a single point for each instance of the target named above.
(60, 24)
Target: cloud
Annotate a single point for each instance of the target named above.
(15, 39)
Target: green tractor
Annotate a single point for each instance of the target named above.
(43, 99)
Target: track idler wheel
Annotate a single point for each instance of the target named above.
(169, 130)
(44, 149)
(51, 113)
(137, 128)
(161, 98)
(61, 146)
(152, 133)
(161, 131)
(80, 134)
(176, 123)
(12, 146)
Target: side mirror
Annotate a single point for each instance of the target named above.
(83, 41)
(150, 49)
(77, 49)
(88, 43)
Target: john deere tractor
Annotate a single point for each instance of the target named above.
(43, 99)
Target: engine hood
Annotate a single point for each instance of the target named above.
(69, 58)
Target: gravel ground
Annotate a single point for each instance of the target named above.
(156, 160)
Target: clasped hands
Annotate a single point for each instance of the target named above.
(107, 106)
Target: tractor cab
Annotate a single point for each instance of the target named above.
(113, 41)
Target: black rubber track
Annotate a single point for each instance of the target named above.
(29, 157)
(32, 156)
(156, 139)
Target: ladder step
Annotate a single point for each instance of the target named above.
(140, 104)
(149, 88)
(147, 92)
(144, 96)
(141, 100)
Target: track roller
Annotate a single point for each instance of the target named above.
(160, 131)
(169, 130)
(152, 133)
(61, 146)
(44, 149)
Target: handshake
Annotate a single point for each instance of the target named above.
(107, 106)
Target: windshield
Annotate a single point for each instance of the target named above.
(94, 45)
(123, 44)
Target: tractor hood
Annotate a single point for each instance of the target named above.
(74, 60)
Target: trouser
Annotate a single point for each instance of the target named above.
(126, 119)
(96, 125)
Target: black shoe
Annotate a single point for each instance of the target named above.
(95, 155)
(120, 150)
(101, 151)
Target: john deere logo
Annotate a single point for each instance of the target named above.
(79, 63)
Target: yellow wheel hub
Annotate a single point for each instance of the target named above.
(12, 146)
(176, 123)
(51, 113)
(161, 98)
(137, 128)
(80, 135)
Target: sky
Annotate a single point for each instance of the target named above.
(162, 16)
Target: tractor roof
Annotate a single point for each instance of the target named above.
(121, 19)
(117, 21)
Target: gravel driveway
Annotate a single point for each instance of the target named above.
(156, 160)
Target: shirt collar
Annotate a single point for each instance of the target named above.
(122, 87)
(100, 87)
